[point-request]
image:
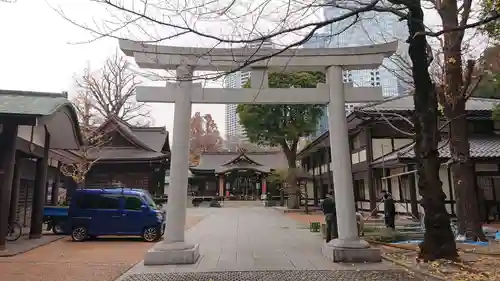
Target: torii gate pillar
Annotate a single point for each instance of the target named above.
(174, 249)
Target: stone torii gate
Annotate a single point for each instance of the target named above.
(175, 250)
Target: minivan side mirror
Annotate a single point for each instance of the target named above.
(144, 207)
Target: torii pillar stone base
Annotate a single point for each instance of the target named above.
(337, 251)
(175, 253)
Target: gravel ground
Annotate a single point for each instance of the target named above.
(289, 275)
(101, 260)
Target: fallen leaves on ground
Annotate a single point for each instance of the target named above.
(471, 267)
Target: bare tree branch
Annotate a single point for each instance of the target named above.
(94, 139)
(110, 91)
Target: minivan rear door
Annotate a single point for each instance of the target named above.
(106, 217)
(101, 212)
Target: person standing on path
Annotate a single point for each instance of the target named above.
(389, 210)
(328, 207)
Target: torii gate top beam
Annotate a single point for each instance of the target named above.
(222, 59)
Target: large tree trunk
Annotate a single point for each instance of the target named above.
(469, 221)
(293, 189)
(438, 241)
(453, 98)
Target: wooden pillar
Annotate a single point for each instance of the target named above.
(8, 139)
(16, 185)
(161, 180)
(387, 172)
(221, 184)
(39, 192)
(329, 169)
(152, 179)
(46, 199)
(226, 188)
(315, 184)
(413, 192)
(369, 171)
(319, 157)
(56, 183)
(263, 184)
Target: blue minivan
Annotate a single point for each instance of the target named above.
(114, 211)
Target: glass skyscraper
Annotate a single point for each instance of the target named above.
(238, 80)
(370, 28)
(232, 121)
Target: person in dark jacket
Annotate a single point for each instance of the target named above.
(389, 210)
(328, 207)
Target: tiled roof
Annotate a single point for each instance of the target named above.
(149, 142)
(127, 132)
(405, 103)
(38, 104)
(113, 153)
(479, 148)
(148, 138)
(154, 137)
(267, 160)
(31, 103)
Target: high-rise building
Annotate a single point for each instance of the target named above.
(371, 28)
(233, 126)
(238, 80)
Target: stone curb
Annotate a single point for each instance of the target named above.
(425, 275)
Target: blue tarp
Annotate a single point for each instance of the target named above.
(464, 242)
(55, 211)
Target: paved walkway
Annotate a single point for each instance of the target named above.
(249, 240)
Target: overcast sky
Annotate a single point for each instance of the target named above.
(36, 54)
(39, 52)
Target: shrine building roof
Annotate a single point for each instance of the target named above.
(222, 162)
(145, 143)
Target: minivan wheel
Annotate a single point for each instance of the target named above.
(79, 234)
(150, 234)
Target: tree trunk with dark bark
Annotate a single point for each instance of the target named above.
(438, 241)
(469, 221)
(293, 190)
(453, 98)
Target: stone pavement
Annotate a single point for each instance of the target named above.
(257, 243)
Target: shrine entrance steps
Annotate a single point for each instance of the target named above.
(241, 204)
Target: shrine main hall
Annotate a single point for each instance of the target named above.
(235, 175)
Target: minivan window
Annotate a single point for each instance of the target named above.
(110, 202)
(98, 201)
(87, 201)
(133, 203)
(150, 201)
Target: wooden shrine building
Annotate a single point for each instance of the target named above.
(37, 130)
(383, 158)
(132, 156)
(235, 175)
